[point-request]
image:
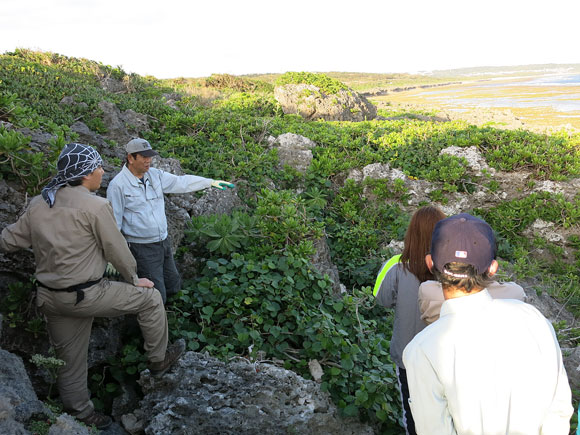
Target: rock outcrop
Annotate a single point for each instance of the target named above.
(122, 126)
(293, 150)
(18, 400)
(312, 103)
(241, 397)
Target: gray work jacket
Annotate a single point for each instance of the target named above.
(139, 206)
(400, 289)
(72, 241)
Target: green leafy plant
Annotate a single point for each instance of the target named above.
(223, 234)
(280, 307)
(325, 83)
(18, 160)
(10, 108)
(17, 308)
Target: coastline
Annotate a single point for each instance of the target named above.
(508, 106)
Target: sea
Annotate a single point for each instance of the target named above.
(559, 93)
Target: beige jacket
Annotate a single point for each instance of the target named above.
(431, 296)
(72, 241)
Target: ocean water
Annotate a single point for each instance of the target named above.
(547, 92)
(559, 80)
(548, 80)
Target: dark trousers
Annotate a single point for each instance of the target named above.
(408, 421)
(155, 261)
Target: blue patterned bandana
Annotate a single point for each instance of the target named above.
(75, 161)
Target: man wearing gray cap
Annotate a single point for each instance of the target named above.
(486, 366)
(136, 194)
(73, 235)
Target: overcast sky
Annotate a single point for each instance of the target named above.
(191, 38)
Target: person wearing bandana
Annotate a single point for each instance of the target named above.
(137, 196)
(73, 235)
(486, 366)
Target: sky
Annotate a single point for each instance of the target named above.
(192, 38)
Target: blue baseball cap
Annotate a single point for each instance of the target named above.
(463, 239)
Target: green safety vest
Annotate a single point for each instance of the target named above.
(394, 260)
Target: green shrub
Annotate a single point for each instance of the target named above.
(325, 83)
(19, 161)
(278, 307)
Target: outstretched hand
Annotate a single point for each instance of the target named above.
(222, 185)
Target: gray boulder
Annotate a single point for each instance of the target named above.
(172, 99)
(67, 425)
(114, 124)
(89, 137)
(135, 122)
(203, 395)
(571, 358)
(322, 262)
(215, 201)
(11, 426)
(17, 266)
(70, 101)
(113, 85)
(122, 126)
(475, 161)
(18, 400)
(311, 103)
(293, 150)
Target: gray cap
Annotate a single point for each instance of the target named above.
(140, 146)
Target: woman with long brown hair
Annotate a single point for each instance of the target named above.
(398, 285)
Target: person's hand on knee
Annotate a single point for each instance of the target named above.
(145, 282)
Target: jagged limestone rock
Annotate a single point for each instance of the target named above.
(18, 401)
(294, 150)
(122, 126)
(202, 395)
(67, 425)
(311, 103)
(322, 262)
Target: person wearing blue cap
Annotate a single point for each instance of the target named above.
(486, 366)
(73, 235)
(137, 196)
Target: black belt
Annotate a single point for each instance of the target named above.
(78, 288)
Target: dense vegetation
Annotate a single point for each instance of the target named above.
(256, 293)
(326, 84)
(366, 82)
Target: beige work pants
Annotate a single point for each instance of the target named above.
(69, 328)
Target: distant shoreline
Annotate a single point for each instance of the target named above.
(382, 92)
(511, 103)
